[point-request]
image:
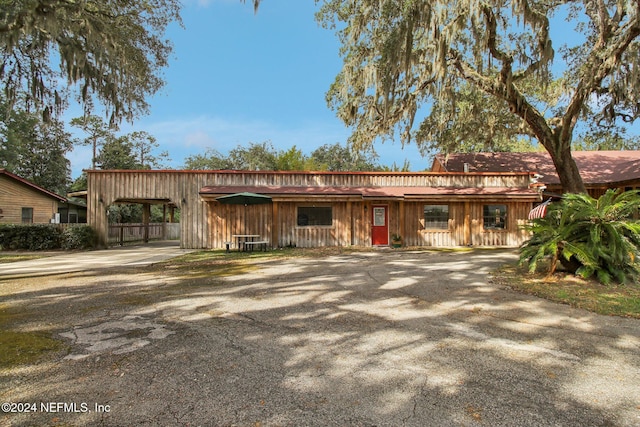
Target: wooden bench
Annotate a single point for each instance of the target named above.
(262, 244)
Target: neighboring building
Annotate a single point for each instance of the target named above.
(23, 202)
(600, 170)
(73, 212)
(311, 209)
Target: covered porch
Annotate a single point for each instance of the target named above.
(315, 216)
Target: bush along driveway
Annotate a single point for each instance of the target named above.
(366, 338)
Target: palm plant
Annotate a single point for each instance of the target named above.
(589, 236)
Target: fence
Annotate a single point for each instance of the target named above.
(119, 234)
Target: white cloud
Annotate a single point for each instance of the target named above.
(198, 139)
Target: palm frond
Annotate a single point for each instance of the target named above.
(602, 234)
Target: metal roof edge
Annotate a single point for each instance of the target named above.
(239, 172)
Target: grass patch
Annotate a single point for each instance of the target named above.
(23, 348)
(9, 316)
(223, 256)
(222, 263)
(209, 264)
(611, 300)
(6, 258)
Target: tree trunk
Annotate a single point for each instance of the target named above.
(567, 170)
(555, 141)
(552, 140)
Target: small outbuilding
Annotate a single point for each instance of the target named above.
(311, 209)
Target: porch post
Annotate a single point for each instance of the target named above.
(275, 225)
(467, 224)
(146, 215)
(164, 221)
(402, 224)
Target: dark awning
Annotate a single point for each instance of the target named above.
(244, 198)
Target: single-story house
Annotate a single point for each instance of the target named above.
(22, 201)
(308, 209)
(600, 170)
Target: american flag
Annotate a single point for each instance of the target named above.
(539, 211)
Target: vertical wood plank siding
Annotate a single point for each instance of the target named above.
(227, 220)
(337, 234)
(209, 224)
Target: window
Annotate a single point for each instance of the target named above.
(64, 215)
(495, 217)
(436, 217)
(27, 215)
(314, 216)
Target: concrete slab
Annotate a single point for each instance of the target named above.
(125, 256)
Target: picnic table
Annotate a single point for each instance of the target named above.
(246, 242)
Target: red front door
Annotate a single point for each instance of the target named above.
(379, 226)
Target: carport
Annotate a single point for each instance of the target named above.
(119, 233)
(167, 187)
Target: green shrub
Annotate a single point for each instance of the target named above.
(593, 237)
(80, 237)
(41, 237)
(30, 237)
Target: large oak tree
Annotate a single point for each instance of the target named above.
(403, 56)
(111, 51)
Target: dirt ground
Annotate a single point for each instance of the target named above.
(395, 338)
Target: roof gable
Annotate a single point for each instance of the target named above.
(31, 185)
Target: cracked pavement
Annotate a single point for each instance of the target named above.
(381, 338)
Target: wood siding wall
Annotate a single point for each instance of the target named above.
(15, 196)
(208, 224)
(227, 220)
(466, 227)
(352, 224)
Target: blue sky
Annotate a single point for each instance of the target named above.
(237, 77)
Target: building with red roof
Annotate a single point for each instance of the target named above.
(310, 209)
(600, 170)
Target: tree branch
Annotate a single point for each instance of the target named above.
(601, 62)
(544, 47)
(492, 44)
(518, 104)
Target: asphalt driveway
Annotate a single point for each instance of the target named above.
(361, 339)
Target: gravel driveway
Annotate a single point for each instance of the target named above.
(389, 338)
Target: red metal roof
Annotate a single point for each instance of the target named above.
(596, 167)
(374, 192)
(254, 172)
(32, 185)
